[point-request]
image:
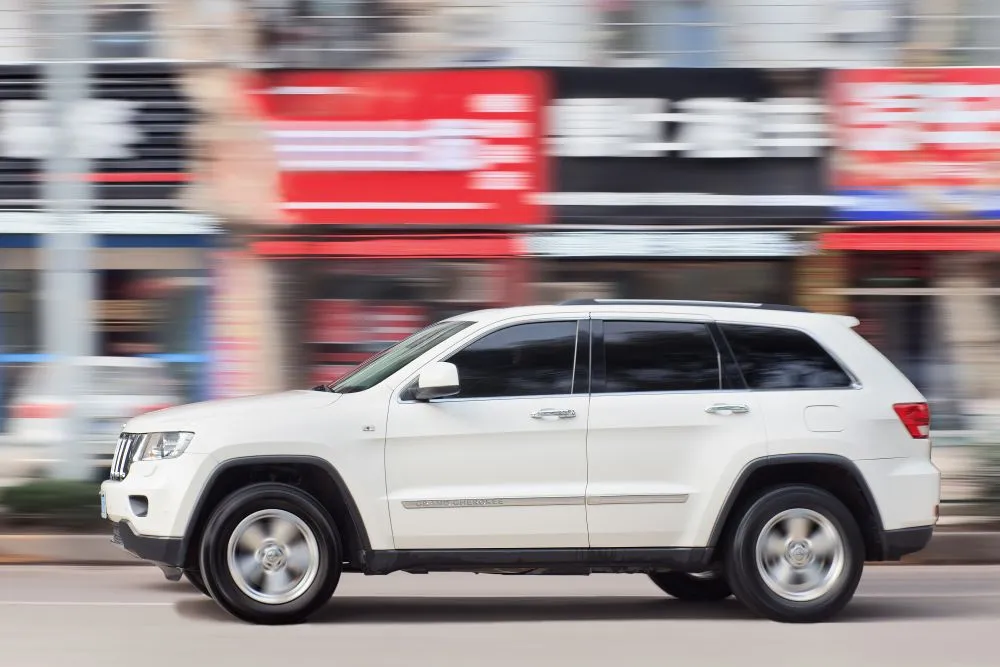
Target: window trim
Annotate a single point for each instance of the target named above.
(405, 386)
(855, 385)
(600, 367)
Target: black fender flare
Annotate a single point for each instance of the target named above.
(199, 514)
(843, 463)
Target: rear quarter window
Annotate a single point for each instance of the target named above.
(777, 358)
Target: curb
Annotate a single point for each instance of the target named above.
(949, 547)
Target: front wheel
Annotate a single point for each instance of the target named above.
(706, 587)
(796, 555)
(271, 554)
(195, 579)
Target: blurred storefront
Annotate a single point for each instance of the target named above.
(403, 199)
(149, 254)
(917, 176)
(681, 184)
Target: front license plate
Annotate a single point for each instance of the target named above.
(104, 507)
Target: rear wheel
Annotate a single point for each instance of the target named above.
(271, 554)
(796, 556)
(701, 587)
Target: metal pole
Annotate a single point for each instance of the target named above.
(68, 282)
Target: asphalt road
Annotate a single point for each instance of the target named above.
(76, 617)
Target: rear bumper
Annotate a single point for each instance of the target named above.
(164, 551)
(899, 543)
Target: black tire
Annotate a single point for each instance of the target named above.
(195, 579)
(269, 497)
(750, 584)
(690, 588)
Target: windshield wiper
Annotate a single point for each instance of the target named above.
(322, 387)
(348, 389)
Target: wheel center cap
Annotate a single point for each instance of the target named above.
(798, 553)
(272, 557)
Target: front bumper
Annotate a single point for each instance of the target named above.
(157, 498)
(164, 551)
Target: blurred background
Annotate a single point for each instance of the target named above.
(212, 198)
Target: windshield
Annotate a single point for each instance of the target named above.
(387, 362)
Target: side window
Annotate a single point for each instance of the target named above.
(776, 358)
(534, 359)
(659, 356)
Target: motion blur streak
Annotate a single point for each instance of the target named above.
(212, 199)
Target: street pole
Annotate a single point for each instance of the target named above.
(68, 281)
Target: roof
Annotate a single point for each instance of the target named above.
(722, 310)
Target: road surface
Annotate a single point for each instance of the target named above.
(903, 615)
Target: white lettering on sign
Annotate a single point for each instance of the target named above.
(489, 150)
(712, 127)
(499, 103)
(905, 116)
(102, 129)
(677, 244)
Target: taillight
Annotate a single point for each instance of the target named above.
(916, 417)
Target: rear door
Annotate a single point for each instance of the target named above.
(670, 428)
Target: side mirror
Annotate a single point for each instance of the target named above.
(438, 380)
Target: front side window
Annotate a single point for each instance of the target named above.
(391, 360)
(659, 356)
(776, 358)
(532, 359)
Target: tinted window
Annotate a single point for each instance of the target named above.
(523, 360)
(775, 358)
(659, 356)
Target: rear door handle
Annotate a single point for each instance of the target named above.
(727, 409)
(561, 414)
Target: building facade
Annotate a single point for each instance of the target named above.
(149, 262)
(681, 183)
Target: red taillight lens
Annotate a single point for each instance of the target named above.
(916, 417)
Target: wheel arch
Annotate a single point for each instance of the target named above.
(836, 474)
(312, 474)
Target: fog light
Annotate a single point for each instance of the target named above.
(139, 505)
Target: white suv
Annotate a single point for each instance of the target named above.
(723, 449)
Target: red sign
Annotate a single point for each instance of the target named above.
(917, 144)
(445, 147)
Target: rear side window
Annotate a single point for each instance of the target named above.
(776, 358)
(659, 356)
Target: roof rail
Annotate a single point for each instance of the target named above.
(667, 302)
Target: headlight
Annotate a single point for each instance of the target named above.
(166, 445)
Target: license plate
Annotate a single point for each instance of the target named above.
(104, 507)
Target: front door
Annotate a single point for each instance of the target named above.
(503, 464)
(670, 429)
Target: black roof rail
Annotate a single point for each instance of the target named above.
(667, 302)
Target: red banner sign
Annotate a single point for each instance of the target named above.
(434, 147)
(917, 144)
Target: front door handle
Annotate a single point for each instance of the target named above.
(561, 414)
(727, 409)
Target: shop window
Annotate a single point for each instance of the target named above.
(523, 360)
(775, 358)
(122, 30)
(660, 356)
(668, 33)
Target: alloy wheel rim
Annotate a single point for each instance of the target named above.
(273, 556)
(800, 555)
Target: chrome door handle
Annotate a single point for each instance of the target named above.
(727, 409)
(561, 414)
